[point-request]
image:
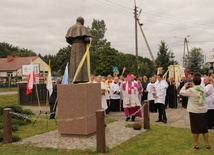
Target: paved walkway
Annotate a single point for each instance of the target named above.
(116, 132)
(176, 117)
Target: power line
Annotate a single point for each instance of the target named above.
(177, 18)
(125, 2)
(118, 5)
(113, 6)
(154, 33)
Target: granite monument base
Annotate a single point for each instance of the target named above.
(77, 105)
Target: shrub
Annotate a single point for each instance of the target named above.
(16, 120)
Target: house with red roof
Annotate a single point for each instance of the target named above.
(13, 67)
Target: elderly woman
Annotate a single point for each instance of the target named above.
(197, 110)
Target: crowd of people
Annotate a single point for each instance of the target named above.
(126, 94)
(196, 94)
(120, 94)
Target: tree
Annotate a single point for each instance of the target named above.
(165, 57)
(62, 58)
(129, 62)
(146, 67)
(194, 60)
(8, 49)
(107, 59)
(59, 61)
(97, 31)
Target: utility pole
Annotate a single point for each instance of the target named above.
(147, 44)
(136, 39)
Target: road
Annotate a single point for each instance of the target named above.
(7, 93)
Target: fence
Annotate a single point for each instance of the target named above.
(100, 126)
(31, 99)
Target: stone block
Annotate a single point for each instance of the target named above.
(77, 105)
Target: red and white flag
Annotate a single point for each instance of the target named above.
(31, 79)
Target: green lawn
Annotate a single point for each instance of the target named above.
(159, 140)
(7, 89)
(8, 99)
(41, 125)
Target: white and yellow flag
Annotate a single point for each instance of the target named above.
(49, 85)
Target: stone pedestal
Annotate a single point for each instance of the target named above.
(77, 105)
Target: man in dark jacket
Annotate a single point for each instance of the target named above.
(144, 84)
(53, 99)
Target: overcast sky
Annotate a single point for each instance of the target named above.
(40, 25)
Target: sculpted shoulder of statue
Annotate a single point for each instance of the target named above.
(78, 31)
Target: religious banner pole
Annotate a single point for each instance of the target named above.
(37, 94)
(47, 99)
(124, 68)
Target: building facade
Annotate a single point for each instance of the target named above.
(11, 69)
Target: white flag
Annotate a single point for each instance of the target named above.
(49, 85)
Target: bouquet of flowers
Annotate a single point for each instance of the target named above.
(103, 91)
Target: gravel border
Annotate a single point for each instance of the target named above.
(116, 133)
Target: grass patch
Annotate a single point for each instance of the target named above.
(159, 140)
(29, 150)
(42, 125)
(162, 140)
(16, 120)
(7, 89)
(129, 125)
(8, 99)
(109, 120)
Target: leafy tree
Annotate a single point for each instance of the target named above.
(165, 57)
(50, 57)
(107, 59)
(8, 49)
(24, 53)
(97, 31)
(194, 60)
(129, 63)
(205, 69)
(61, 59)
(146, 67)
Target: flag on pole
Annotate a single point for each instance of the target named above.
(49, 85)
(65, 76)
(31, 79)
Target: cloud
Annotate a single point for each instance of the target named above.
(41, 25)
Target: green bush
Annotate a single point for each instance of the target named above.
(16, 120)
(1, 135)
